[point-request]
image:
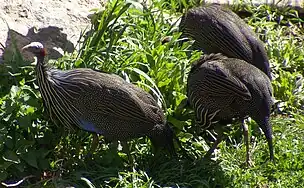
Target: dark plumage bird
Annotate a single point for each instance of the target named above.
(100, 103)
(221, 89)
(218, 30)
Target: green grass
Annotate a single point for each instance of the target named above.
(128, 41)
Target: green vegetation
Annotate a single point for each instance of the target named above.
(127, 39)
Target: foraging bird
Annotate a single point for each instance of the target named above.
(215, 29)
(101, 103)
(221, 89)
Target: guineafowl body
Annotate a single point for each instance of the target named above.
(101, 103)
(221, 88)
(216, 29)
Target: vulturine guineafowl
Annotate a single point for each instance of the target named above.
(221, 89)
(101, 103)
(216, 29)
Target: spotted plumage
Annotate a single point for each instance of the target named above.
(101, 103)
(221, 89)
(216, 29)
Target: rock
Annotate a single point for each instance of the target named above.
(55, 23)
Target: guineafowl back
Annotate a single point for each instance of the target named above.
(219, 30)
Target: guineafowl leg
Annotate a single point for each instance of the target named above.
(218, 140)
(94, 143)
(93, 147)
(126, 149)
(246, 140)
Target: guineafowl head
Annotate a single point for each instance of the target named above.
(36, 48)
(163, 138)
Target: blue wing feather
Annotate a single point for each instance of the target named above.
(89, 126)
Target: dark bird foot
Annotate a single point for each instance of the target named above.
(218, 140)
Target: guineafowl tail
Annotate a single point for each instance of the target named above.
(267, 129)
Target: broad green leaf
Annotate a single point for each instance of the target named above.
(20, 167)
(34, 102)
(185, 137)
(201, 146)
(14, 90)
(31, 158)
(164, 83)
(43, 152)
(11, 156)
(9, 142)
(3, 175)
(179, 124)
(78, 62)
(5, 164)
(30, 110)
(43, 163)
(22, 145)
(24, 122)
(22, 82)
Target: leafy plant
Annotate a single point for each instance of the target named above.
(126, 38)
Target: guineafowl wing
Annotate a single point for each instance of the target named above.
(228, 38)
(124, 104)
(213, 91)
(216, 31)
(110, 96)
(143, 95)
(220, 83)
(96, 94)
(148, 102)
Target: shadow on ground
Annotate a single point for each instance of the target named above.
(188, 173)
(11, 60)
(51, 37)
(109, 169)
